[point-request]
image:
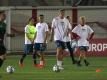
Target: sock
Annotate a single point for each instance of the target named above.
(41, 62)
(23, 57)
(85, 61)
(79, 61)
(59, 63)
(34, 58)
(72, 57)
(1, 62)
(71, 52)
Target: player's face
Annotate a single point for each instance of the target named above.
(41, 18)
(61, 14)
(2, 16)
(32, 21)
(82, 21)
(69, 18)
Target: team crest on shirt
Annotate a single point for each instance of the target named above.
(39, 27)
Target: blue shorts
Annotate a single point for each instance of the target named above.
(60, 44)
(83, 48)
(40, 47)
(28, 48)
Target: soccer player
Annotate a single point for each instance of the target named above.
(41, 40)
(2, 35)
(60, 29)
(67, 41)
(30, 34)
(83, 33)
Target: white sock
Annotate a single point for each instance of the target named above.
(41, 62)
(59, 63)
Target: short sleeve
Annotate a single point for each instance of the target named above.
(90, 30)
(26, 29)
(69, 26)
(53, 23)
(75, 29)
(46, 27)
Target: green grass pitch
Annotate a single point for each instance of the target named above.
(71, 72)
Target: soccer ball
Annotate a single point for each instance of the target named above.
(10, 69)
(56, 68)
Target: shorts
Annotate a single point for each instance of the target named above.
(60, 44)
(83, 48)
(28, 48)
(2, 49)
(40, 47)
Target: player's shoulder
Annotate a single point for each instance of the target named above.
(4, 23)
(77, 26)
(45, 23)
(87, 26)
(56, 18)
(26, 26)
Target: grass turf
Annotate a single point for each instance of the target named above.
(71, 72)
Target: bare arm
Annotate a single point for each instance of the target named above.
(90, 36)
(10, 35)
(28, 37)
(52, 33)
(46, 36)
(34, 38)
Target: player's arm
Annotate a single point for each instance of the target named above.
(74, 33)
(69, 29)
(34, 38)
(46, 36)
(34, 35)
(52, 30)
(52, 34)
(10, 35)
(46, 33)
(27, 33)
(91, 34)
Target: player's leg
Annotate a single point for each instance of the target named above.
(59, 55)
(42, 59)
(84, 56)
(2, 54)
(39, 51)
(71, 52)
(42, 54)
(34, 57)
(35, 54)
(1, 60)
(81, 51)
(79, 60)
(26, 51)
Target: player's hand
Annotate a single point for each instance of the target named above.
(44, 44)
(78, 38)
(10, 35)
(51, 40)
(88, 40)
(32, 41)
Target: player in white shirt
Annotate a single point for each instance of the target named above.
(83, 33)
(30, 34)
(60, 29)
(41, 40)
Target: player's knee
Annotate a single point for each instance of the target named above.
(1, 62)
